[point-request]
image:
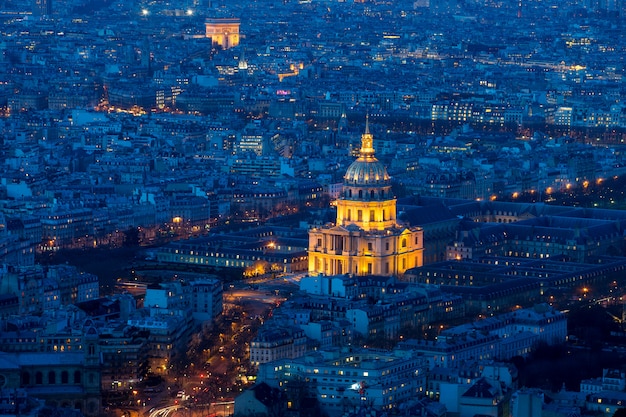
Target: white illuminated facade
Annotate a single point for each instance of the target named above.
(345, 379)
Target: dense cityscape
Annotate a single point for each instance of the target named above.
(312, 208)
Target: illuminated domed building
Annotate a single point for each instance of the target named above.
(366, 238)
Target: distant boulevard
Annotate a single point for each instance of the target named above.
(223, 408)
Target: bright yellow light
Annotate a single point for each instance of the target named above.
(515, 194)
(177, 219)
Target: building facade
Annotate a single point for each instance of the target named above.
(343, 380)
(274, 344)
(69, 379)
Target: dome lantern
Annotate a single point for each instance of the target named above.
(367, 170)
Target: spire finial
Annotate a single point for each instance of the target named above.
(367, 140)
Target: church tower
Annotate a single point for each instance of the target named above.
(366, 239)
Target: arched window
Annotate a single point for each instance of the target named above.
(25, 378)
(404, 242)
(360, 193)
(371, 194)
(38, 378)
(350, 193)
(65, 378)
(77, 377)
(52, 377)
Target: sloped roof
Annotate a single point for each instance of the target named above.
(266, 395)
(421, 215)
(482, 389)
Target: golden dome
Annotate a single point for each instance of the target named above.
(366, 172)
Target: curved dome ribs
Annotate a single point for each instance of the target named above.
(367, 178)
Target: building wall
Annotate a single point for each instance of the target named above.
(61, 379)
(526, 403)
(273, 345)
(336, 251)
